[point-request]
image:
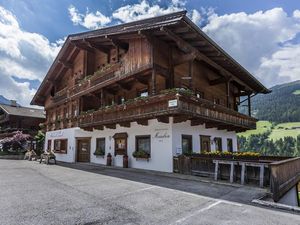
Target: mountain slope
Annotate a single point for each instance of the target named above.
(282, 105)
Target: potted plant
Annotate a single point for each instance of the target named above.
(99, 152)
(141, 155)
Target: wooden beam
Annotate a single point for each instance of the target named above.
(210, 125)
(141, 80)
(110, 126)
(163, 119)
(196, 122)
(187, 48)
(83, 46)
(217, 81)
(66, 64)
(179, 119)
(125, 124)
(162, 71)
(124, 86)
(183, 59)
(100, 127)
(142, 122)
(249, 105)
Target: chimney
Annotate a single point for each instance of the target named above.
(13, 103)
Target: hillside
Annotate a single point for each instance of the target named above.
(282, 105)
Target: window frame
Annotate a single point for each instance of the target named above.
(216, 139)
(61, 151)
(190, 139)
(97, 142)
(230, 140)
(137, 137)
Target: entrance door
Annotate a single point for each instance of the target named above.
(83, 150)
(205, 143)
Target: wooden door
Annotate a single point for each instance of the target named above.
(83, 150)
(205, 143)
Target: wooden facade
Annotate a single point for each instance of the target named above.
(155, 68)
(17, 118)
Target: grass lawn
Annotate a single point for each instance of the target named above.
(261, 127)
(285, 129)
(297, 92)
(279, 131)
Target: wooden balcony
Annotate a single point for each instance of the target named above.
(99, 79)
(161, 107)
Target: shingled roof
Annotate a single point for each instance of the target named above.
(171, 28)
(23, 111)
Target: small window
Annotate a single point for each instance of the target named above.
(217, 101)
(187, 144)
(143, 93)
(100, 146)
(143, 143)
(229, 145)
(61, 146)
(199, 94)
(218, 143)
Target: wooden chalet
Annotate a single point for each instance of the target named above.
(159, 77)
(14, 117)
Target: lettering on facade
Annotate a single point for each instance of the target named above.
(161, 134)
(59, 133)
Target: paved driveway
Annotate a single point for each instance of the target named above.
(39, 194)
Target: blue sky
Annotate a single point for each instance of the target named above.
(264, 36)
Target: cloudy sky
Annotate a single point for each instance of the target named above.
(264, 36)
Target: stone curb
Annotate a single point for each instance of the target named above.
(276, 205)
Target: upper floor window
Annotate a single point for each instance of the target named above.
(199, 94)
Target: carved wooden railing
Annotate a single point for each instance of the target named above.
(60, 95)
(158, 105)
(284, 175)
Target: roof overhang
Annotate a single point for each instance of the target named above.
(169, 28)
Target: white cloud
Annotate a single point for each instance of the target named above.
(89, 20)
(145, 10)
(23, 55)
(258, 41)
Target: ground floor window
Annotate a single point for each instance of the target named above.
(100, 146)
(49, 145)
(218, 143)
(187, 144)
(143, 144)
(61, 145)
(120, 143)
(205, 143)
(229, 145)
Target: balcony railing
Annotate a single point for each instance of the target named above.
(170, 104)
(99, 79)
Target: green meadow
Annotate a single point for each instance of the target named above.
(278, 131)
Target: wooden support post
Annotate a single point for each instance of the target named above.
(171, 69)
(243, 173)
(216, 169)
(261, 175)
(153, 81)
(231, 172)
(191, 71)
(101, 98)
(227, 93)
(249, 105)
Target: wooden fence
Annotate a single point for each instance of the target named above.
(285, 174)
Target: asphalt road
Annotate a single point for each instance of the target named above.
(35, 194)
